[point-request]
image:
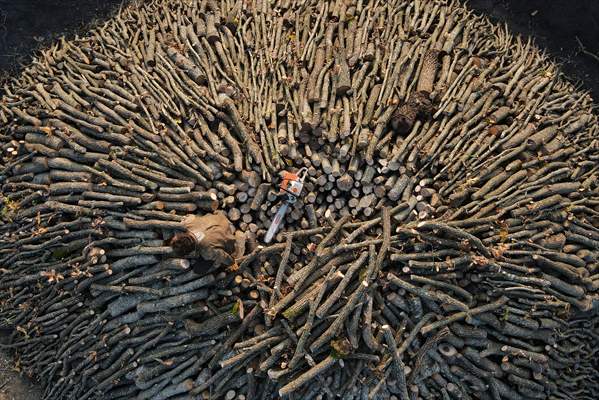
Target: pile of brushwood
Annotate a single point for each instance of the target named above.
(445, 245)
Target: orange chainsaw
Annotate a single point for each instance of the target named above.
(291, 185)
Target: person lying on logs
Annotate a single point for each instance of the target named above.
(208, 238)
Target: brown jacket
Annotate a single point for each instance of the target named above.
(209, 237)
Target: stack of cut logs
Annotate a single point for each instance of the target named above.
(445, 245)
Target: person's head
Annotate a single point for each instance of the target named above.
(207, 238)
(183, 243)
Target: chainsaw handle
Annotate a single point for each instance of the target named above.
(302, 173)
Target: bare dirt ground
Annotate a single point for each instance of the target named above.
(13, 386)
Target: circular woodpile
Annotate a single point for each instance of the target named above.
(445, 245)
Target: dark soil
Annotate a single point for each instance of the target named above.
(13, 384)
(555, 25)
(26, 25)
